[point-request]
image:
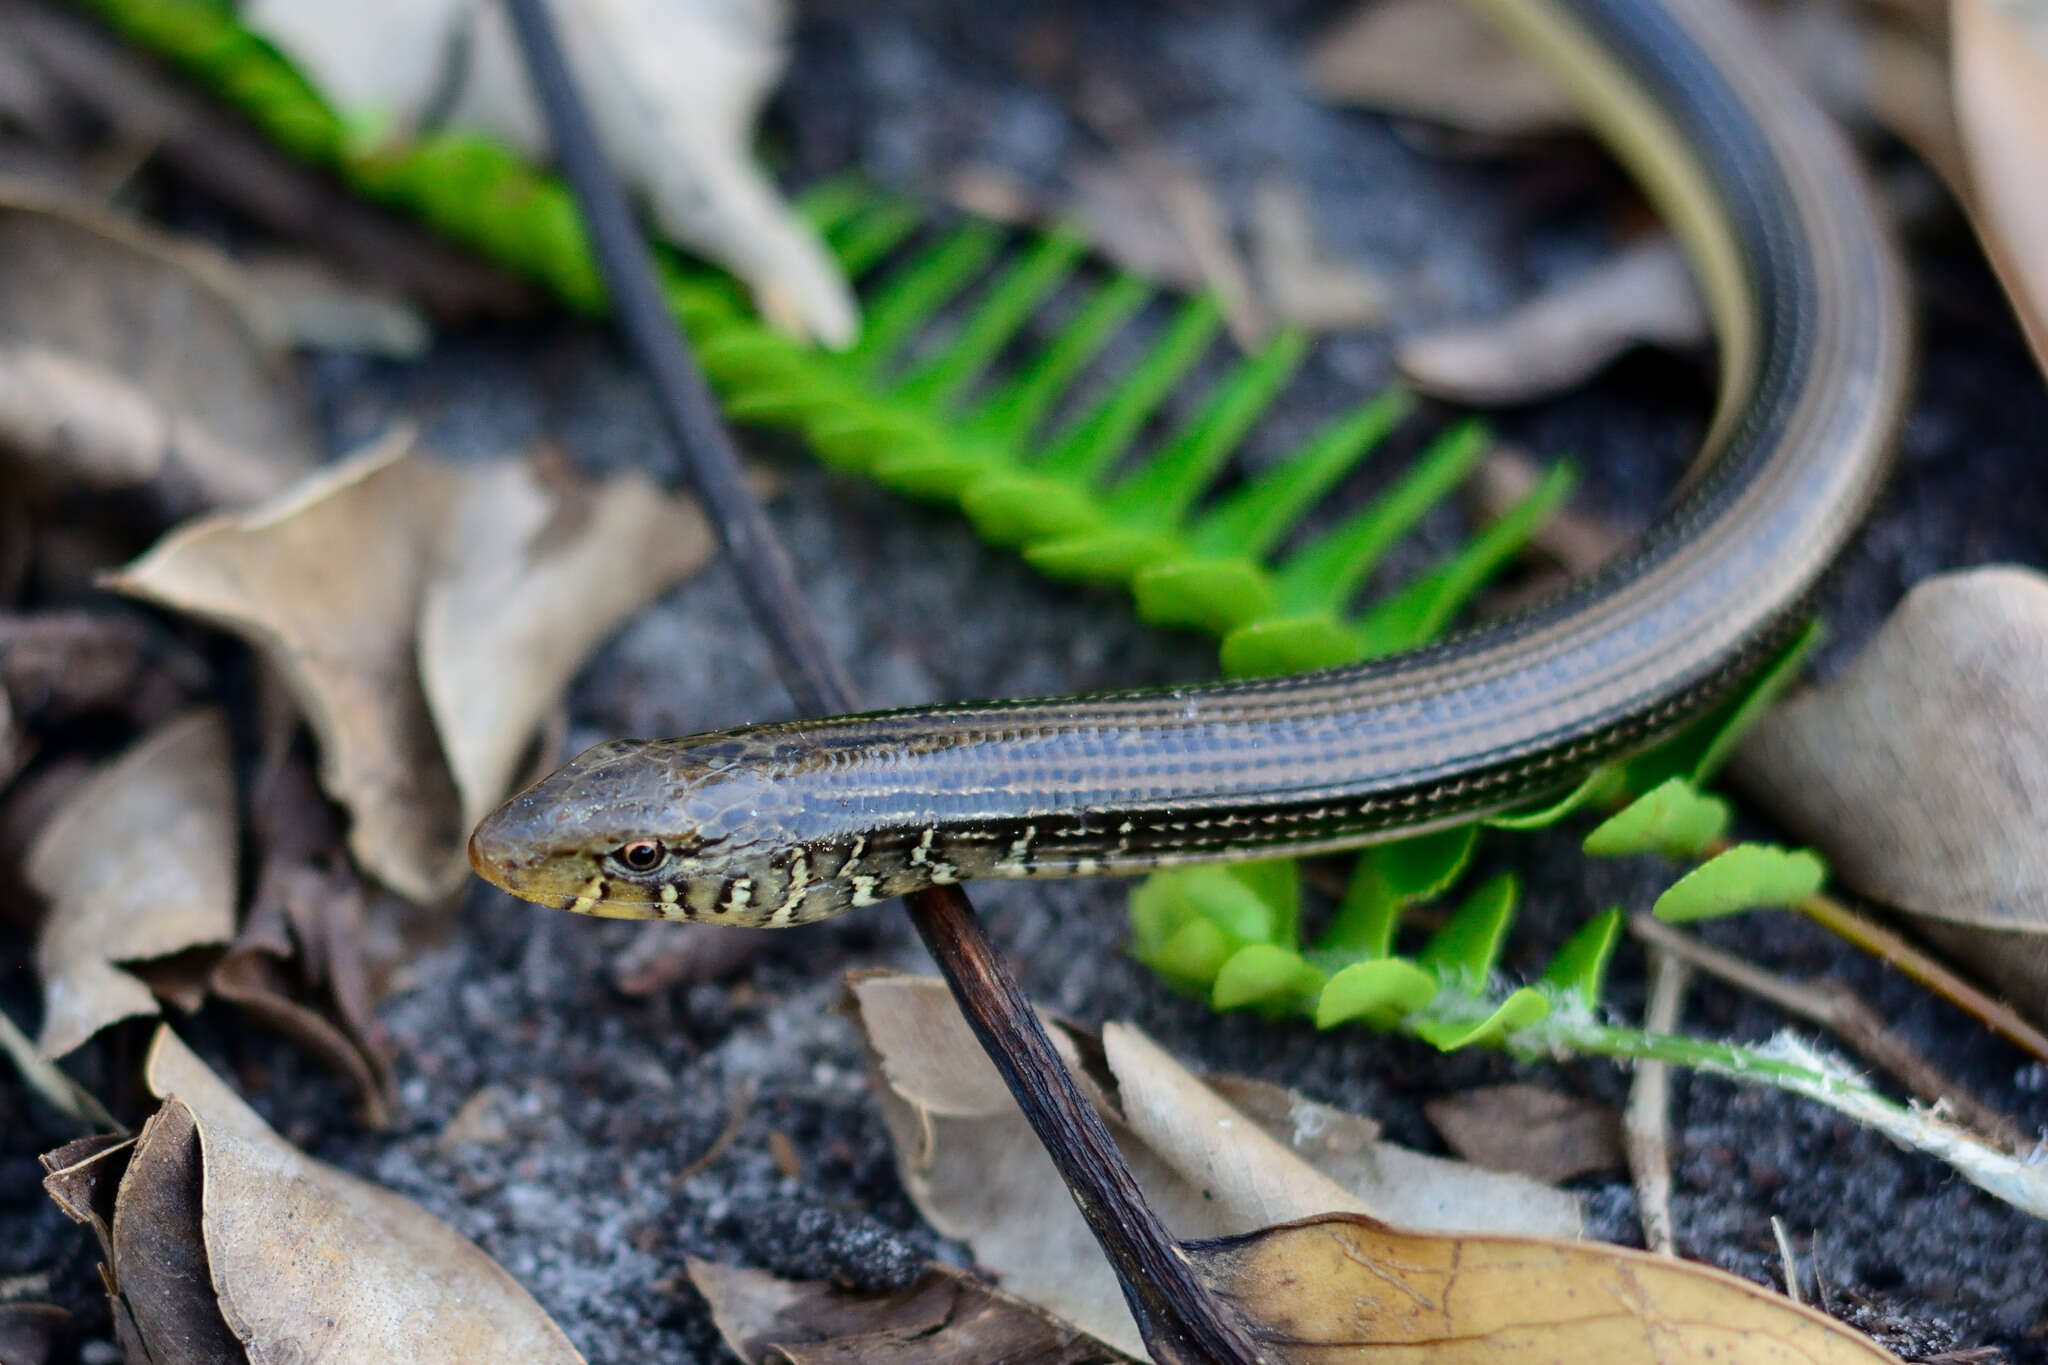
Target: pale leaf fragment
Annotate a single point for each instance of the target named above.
(2000, 55)
(1431, 60)
(137, 864)
(675, 88)
(973, 1167)
(130, 358)
(947, 1318)
(1540, 1133)
(1644, 295)
(1345, 1287)
(1302, 284)
(535, 575)
(326, 581)
(1922, 772)
(279, 1226)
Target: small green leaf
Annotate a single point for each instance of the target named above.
(1205, 594)
(1465, 949)
(1426, 865)
(1275, 881)
(1525, 1007)
(1364, 922)
(1698, 750)
(1746, 877)
(1288, 644)
(1579, 970)
(1110, 554)
(1192, 955)
(1379, 992)
(1602, 785)
(1266, 975)
(1673, 819)
(1217, 894)
(1016, 509)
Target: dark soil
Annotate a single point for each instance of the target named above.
(610, 1096)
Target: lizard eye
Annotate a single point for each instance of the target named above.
(642, 855)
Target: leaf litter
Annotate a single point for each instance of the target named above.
(223, 1242)
(1281, 1205)
(138, 864)
(1922, 771)
(427, 670)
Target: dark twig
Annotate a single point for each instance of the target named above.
(1181, 1322)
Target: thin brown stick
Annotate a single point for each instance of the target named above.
(742, 1105)
(1841, 1011)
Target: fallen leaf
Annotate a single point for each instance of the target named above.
(158, 1252)
(59, 666)
(1922, 771)
(326, 582)
(537, 574)
(2000, 54)
(674, 91)
(34, 1333)
(300, 301)
(973, 1167)
(1526, 1128)
(51, 1082)
(277, 1226)
(83, 1179)
(1345, 1287)
(138, 864)
(1299, 280)
(1643, 295)
(946, 1318)
(1425, 59)
(654, 962)
(131, 359)
(471, 595)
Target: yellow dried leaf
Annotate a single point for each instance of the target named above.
(138, 863)
(1347, 1288)
(975, 1170)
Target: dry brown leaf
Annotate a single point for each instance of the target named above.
(83, 1179)
(673, 88)
(946, 1318)
(1430, 60)
(326, 582)
(34, 1333)
(57, 666)
(139, 863)
(1922, 772)
(973, 1167)
(535, 575)
(1544, 1135)
(128, 358)
(1344, 1287)
(392, 577)
(1643, 295)
(2000, 53)
(278, 1226)
(158, 1254)
(302, 301)
(51, 1081)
